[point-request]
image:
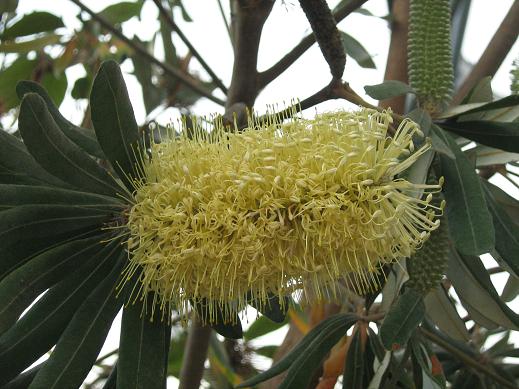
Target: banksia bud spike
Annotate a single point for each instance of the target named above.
(428, 265)
(276, 208)
(514, 75)
(429, 53)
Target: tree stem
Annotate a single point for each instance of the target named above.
(396, 67)
(494, 54)
(195, 354)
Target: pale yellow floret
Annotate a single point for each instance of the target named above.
(277, 208)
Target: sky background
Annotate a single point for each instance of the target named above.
(284, 29)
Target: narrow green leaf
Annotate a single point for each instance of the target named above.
(19, 289)
(481, 93)
(301, 371)
(33, 23)
(354, 364)
(267, 351)
(40, 328)
(470, 222)
(387, 89)
(507, 233)
(438, 144)
(56, 153)
(21, 69)
(355, 50)
(28, 229)
(477, 293)
(27, 46)
(24, 380)
(262, 326)
(444, 314)
(56, 85)
(300, 348)
(421, 355)
(83, 137)
(16, 161)
(511, 289)
(466, 109)
(17, 195)
(502, 135)
(121, 12)
(402, 319)
(142, 355)
(115, 125)
(78, 347)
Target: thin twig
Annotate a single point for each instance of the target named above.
(466, 359)
(494, 54)
(267, 76)
(169, 70)
(226, 22)
(171, 23)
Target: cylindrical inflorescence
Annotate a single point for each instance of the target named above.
(225, 217)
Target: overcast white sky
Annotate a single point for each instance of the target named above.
(284, 28)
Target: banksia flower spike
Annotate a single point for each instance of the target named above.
(277, 208)
(429, 53)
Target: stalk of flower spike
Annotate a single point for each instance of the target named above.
(225, 217)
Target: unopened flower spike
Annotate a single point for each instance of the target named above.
(276, 208)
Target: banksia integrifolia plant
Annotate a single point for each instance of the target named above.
(429, 53)
(274, 209)
(428, 265)
(326, 33)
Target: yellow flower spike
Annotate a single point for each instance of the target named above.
(275, 209)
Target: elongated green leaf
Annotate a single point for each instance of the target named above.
(16, 195)
(300, 348)
(27, 46)
(511, 289)
(477, 293)
(8, 6)
(40, 328)
(122, 11)
(402, 319)
(355, 50)
(28, 229)
(460, 110)
(502, 135)
(115, 125)
(421, 355)
(262, 326)
(33, 23)
(24, 380)
(78, 347)
(15, 160)
(388, 89)
(507, 233)
(303, 368)
(19, 289)
(438, 144)
(142, 355)
(470, 222)
(83, 137)
(354, 364)
(56, 153)
(443, 313)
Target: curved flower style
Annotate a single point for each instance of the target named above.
(277, 208)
